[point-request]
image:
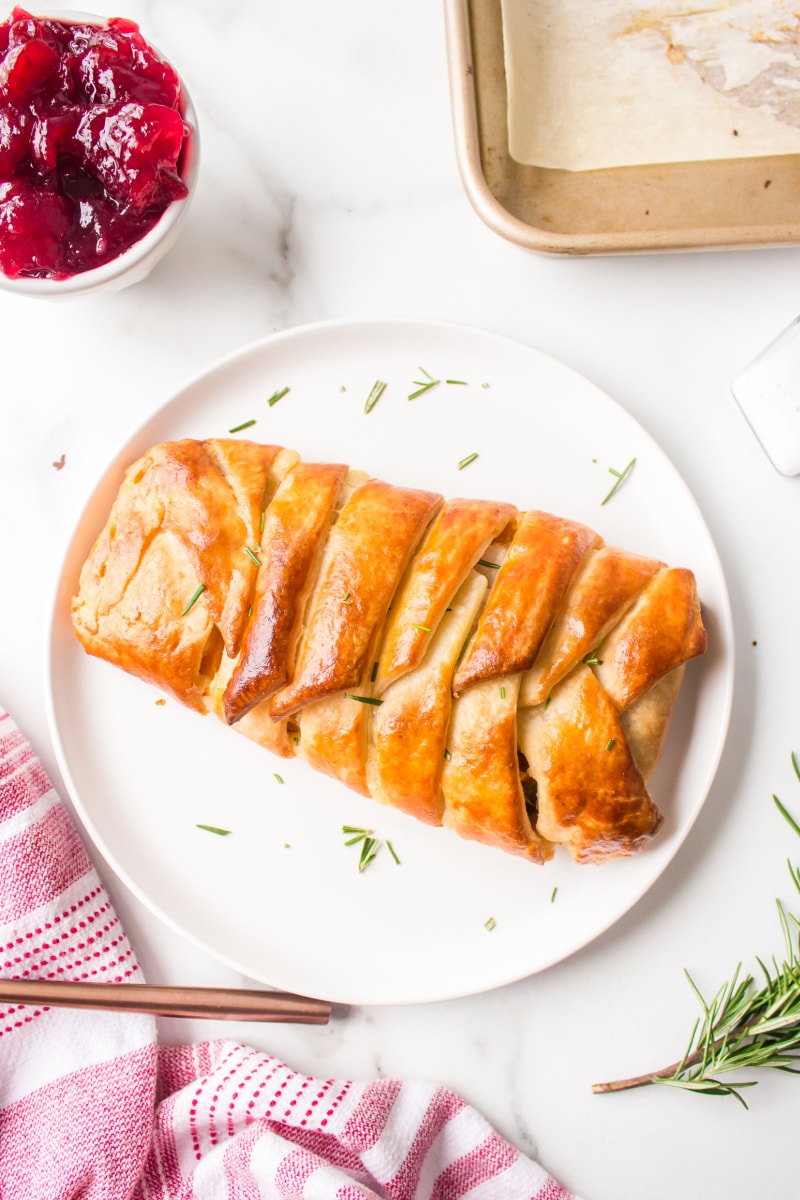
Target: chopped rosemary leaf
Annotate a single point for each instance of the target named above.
(194, 599)
(447, 755)
(358, 837)
(378, 388)
(244, 425)
(502, 693)
(470, 458)
(368, 851)
(611, 743)
(278, 777)
(355, 829)
(261, 522)
(463, 382)
(391, 850)
(276, 396)
(489, 924)
(547, 702)
(620, 477)
(215, 829)
(484, 562)
(347, 599)
(374, 672)
(423, 387)
(784, 812)
(553, 894)
(364, 699)
(250, 610)
(251, 554)
(296, 741)
(421, 628)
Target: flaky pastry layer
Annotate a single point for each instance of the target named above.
(502, 673)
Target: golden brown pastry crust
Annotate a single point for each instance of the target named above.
(453, 544)
(530, 585)
(367, 552)
(663, 629)
(408, 730)
(590, 794)
(176, 524)
(524, 706)
(606, 584)
(290, 539)
(481, 780)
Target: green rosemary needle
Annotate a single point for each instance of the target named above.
(378, 388)
(251, 554)
(194, 599)
(244, 425)
(424, 385)
(215, 829)
(620, 477)
(276, 396)
(470, 458)
(364, 699)
(749, 1023)
(369, 849)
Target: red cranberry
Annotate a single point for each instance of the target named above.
(33, 225)
(91, 139)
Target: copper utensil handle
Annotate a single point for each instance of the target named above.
(228, 1004)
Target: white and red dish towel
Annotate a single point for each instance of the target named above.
(91, 1108)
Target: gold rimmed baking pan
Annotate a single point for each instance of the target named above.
(724, 204)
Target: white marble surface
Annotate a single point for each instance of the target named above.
(328, 189)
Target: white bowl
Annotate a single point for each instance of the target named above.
(135, 263)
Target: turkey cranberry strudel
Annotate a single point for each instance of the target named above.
(502, 673)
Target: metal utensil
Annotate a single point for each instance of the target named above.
(228, 1004)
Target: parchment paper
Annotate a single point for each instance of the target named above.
(605, 83)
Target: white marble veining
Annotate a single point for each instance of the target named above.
(329, 188)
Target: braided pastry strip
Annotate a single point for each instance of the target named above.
(502, 673)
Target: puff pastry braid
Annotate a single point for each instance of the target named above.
(502, 673)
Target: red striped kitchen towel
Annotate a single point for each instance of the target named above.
(92, 1108)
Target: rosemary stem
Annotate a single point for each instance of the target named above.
(683, 1064)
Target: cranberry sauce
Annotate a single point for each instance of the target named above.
(91, 137)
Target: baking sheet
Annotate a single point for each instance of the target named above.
(709, 204)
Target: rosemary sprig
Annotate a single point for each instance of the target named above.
(747, 1024)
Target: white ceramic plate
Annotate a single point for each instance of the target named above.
(281, 898)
